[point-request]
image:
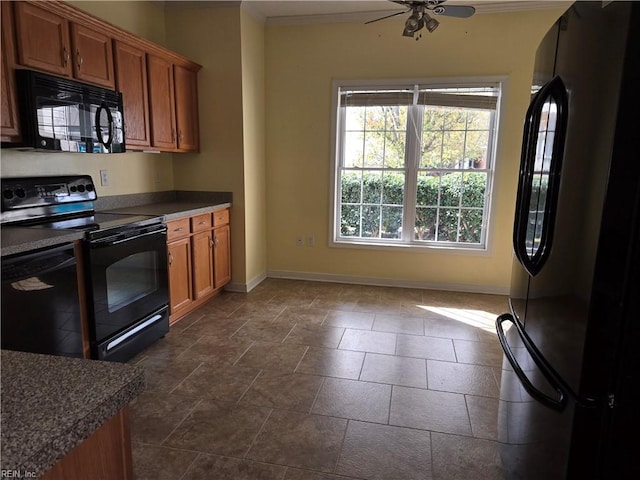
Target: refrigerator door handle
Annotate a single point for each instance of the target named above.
(558, 403)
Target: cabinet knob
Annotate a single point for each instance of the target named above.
(170, 258)
(179, 229)
(65, 56)
(79, 59)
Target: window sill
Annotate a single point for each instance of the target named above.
(480, 250)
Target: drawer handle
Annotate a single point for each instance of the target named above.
(179, 229)
(200, 223)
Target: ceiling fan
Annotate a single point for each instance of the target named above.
(420, 14)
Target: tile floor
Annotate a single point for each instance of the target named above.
(317, 381)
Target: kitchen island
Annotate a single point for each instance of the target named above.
(61, 415)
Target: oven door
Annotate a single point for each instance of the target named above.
(128, 291)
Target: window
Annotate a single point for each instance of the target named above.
(414, 164)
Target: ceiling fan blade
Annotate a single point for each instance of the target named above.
(458, 11)
(382, 18)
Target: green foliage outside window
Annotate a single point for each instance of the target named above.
(372, 205)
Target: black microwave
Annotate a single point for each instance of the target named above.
(62, 115)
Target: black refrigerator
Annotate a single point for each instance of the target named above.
(569, 397)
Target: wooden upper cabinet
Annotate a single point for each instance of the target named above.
(92, 56)
(186, 88)
(161, 103)
(9, 115)
(43, 39)
(131, 80)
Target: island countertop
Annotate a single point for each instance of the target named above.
(51, 404)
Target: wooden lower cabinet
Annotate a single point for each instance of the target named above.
(104, 455)
(180, 286)
(199, 250)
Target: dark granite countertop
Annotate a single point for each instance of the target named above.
(23, 239)
(51, 404)
(173, 210)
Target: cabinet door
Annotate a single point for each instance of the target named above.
(131, 80)
(9, 115)
(179, 274)
(202, 245)
(161, 103)
(186, 89)
(222, 256)
(92, 56)
(42, 39)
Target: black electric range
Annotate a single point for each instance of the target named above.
(124, 259)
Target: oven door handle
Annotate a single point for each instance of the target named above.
(116, 239)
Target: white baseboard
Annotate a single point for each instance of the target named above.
(246, 287)
(387, 282)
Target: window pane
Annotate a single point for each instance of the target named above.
(351, 186)
(475, 152)
(394, 149)
(353, 149)
(474, 185)
(372, 187)
(393, 188)
(428, 186)
(354, 118)
(431, 149)
(396, 118)
(371, 221)
(350, 221)
(374, 118)
(478, 119)
(374, 149)
(451, 189)
(425, 224)
(470, 226)
(452, 150)
(391, 222)
(448, 225)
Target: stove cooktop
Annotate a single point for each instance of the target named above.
(98, 221)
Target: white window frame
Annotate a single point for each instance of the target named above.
(407, 241)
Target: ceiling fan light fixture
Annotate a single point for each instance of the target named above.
(431, 24)
(414, 23)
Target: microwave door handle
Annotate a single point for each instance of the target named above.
(104, 106)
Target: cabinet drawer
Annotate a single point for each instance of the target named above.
(220, 217)
(177, 229)
(201, 222)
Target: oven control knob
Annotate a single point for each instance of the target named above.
(73, 188)
(20, 193)
(89, 187)
(81, 188)
(8, 194)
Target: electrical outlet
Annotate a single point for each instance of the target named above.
(311, 241)
(299, 241)
(104, 178)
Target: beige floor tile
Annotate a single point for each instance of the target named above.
(429, 410)
(221, 328)
(484, 413)
(479, 353)
(290, 391)
(439, 326)
(297, 474)
(331, 363)
(171, 345)
(301, 316)
(381, 452)
(155, 415)
(263, 332)
(462, 378)
(315, 335)
(410, 372)
(463, 458)
(273, 356)
(162, 374)
(224, 383)
(353, 399)
(359, 320)
(213, 467)
(151, 462)
(365, 341)
(434, 348)
(220, 428)
(300, 440)
(399, 324)
(216, 351)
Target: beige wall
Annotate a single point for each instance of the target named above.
(210, 35)
(130, 172)
(253, 123)
(302, 61)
